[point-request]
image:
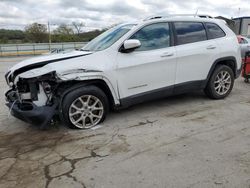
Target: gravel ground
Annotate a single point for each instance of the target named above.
(182, 141)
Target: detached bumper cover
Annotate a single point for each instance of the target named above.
(31, 113)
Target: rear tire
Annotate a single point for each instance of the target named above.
(220, 83)
(84, 107)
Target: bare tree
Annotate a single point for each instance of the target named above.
(63, 33)
(78, 27)
(64, 29)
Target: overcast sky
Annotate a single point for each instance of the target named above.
(103, 13)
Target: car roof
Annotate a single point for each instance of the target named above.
(184, 19)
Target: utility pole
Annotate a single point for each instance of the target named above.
(49, 37)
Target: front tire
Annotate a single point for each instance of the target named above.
(85, 107)
(220, 83)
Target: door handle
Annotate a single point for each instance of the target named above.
(167, 54)
(211, 47)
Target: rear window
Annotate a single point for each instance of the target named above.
(189, 32)
(214, 31)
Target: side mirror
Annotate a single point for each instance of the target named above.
(130, 45)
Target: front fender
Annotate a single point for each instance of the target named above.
(88, 78)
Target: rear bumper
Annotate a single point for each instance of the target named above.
(31, 113)
(238, 72)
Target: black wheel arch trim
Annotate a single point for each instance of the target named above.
(220, 61)
(84, 83)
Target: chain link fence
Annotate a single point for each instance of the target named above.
(37, 48)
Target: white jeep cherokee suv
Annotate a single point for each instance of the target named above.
(128, 64)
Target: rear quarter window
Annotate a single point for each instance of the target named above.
(214, 31)
(189, 32)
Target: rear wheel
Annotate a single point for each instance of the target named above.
(221, 82)
(85, 107)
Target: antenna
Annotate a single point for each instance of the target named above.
(196, 12)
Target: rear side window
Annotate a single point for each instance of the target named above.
(189, 32)
(154, 36)
(214, 31)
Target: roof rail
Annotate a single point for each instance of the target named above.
(177, 15)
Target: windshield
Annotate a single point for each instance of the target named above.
(107, 38)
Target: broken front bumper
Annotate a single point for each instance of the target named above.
(31, 113)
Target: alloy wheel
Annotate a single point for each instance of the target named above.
(86, 111)
(222, 82)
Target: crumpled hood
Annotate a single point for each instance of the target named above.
(72, 64)
(43, 60)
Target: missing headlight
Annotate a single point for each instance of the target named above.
(46, 87)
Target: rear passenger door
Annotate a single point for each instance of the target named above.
(195, 53)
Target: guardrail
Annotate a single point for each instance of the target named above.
(37, 48)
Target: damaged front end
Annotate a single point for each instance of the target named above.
(33, 99)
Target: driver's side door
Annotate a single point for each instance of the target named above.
(150, 69)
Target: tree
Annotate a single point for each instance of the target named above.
(4, 40)
(63, 29)
(78, 27)
(37, 32)
(63, 33)
(7, 35)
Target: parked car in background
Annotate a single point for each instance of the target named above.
(244, 45)
(128, 64)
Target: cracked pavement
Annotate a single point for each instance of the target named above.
(182, 141)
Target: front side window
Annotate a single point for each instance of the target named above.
(154, 36)
(214, 31)
(189, 32)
